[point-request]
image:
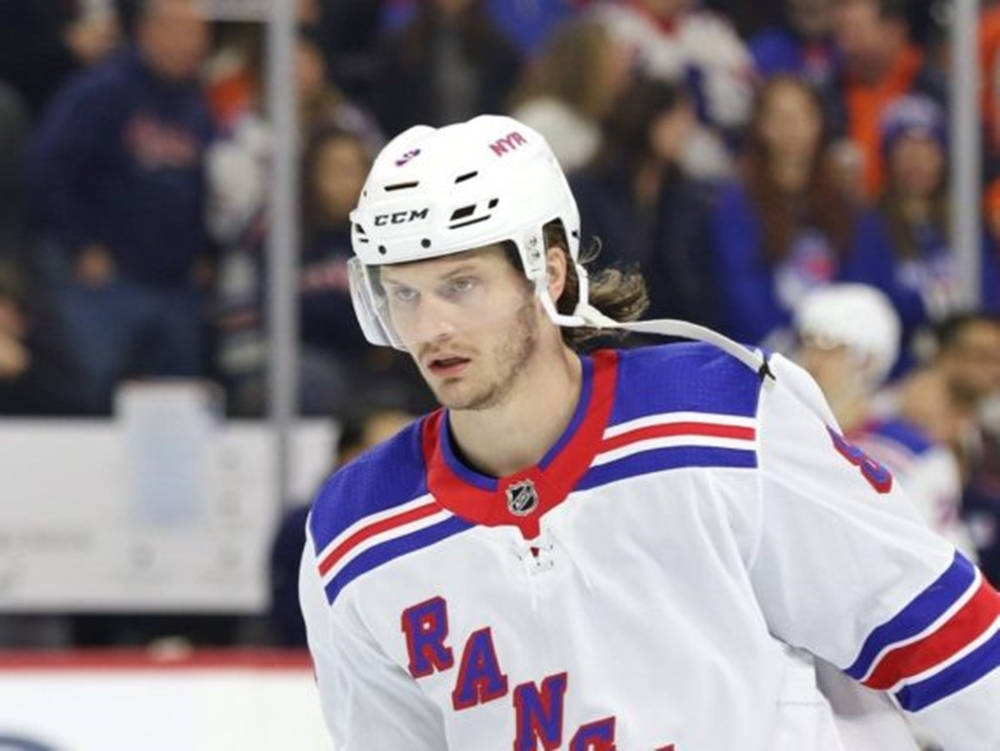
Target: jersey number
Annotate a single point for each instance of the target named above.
(876, 475)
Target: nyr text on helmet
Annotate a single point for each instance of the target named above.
(508, 142)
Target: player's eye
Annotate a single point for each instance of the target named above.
(403, 295)
(459, 286)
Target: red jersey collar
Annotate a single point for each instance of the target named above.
(484, 500)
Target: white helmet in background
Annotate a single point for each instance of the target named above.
(436, 191)
(856, 316)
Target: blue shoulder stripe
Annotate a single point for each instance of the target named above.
(922, 611)
(683, 377)
(388, 475)
(658, 460)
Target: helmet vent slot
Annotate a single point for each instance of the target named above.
(463, 212)
(494, 202)
(401, 186)
(466, 176)
(471, 221)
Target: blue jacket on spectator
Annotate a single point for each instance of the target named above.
(327, 314)
(912, 283)
(756, 298)
(118, 161)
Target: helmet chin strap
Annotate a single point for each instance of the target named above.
(588, 316)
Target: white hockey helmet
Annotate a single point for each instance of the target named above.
(437, 191)
(856, 316)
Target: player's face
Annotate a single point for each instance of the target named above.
(470, 321)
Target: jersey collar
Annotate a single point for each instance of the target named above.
(484, 500)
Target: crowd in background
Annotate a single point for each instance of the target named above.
(742, 155)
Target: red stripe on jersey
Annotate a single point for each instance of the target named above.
(971, 620)
(373, 529)
(679, 428)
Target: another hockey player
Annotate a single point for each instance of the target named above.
(848, 341)
(632, 549)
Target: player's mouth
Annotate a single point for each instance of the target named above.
(447, 367)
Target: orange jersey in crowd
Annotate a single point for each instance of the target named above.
(865, 104)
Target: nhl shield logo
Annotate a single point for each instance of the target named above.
(522, 498)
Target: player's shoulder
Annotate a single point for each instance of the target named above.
(683, 377)
(381, 480)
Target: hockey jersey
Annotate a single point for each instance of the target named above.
(652, 584)
(927, 471)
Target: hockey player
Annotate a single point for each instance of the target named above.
(627, 550)
(848, 341)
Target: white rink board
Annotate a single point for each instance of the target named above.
(82, 529)
(206, 708)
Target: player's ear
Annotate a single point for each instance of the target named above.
(556, 269)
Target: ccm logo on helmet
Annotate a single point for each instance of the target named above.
(400, 217)
(508, 142)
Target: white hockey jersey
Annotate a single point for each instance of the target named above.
(927, 471)
(649, 585)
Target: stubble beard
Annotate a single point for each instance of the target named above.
(508, 359)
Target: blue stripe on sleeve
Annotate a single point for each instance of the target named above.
(955, 677)
(926, 608)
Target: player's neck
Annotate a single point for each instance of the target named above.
(517, 433)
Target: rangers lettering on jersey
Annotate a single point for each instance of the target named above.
(480, 680)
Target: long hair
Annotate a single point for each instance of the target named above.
(311, 217)
(626, 132)
(904, 242)
(618, 293)
(823, 205)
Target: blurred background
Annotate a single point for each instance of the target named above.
(180, 366)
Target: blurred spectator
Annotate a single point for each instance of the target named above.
(116, 174)
(749, 18)
(321, 104)
(982, 495)
(37, 374)
(848, 339)
(336, 363)
(785, 228)
(334, 170)
(907, 252)
(349, 31)
(571, 89)
(989, 60)
(361, 428)
(237, 89)
(675, 41)
(643, 209)
(802, 46)
(13, 134)
(945, 396)
(448, 64)
(43, 42)
(879, 65)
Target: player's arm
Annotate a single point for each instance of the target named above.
(844, 568)
(369, 702)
